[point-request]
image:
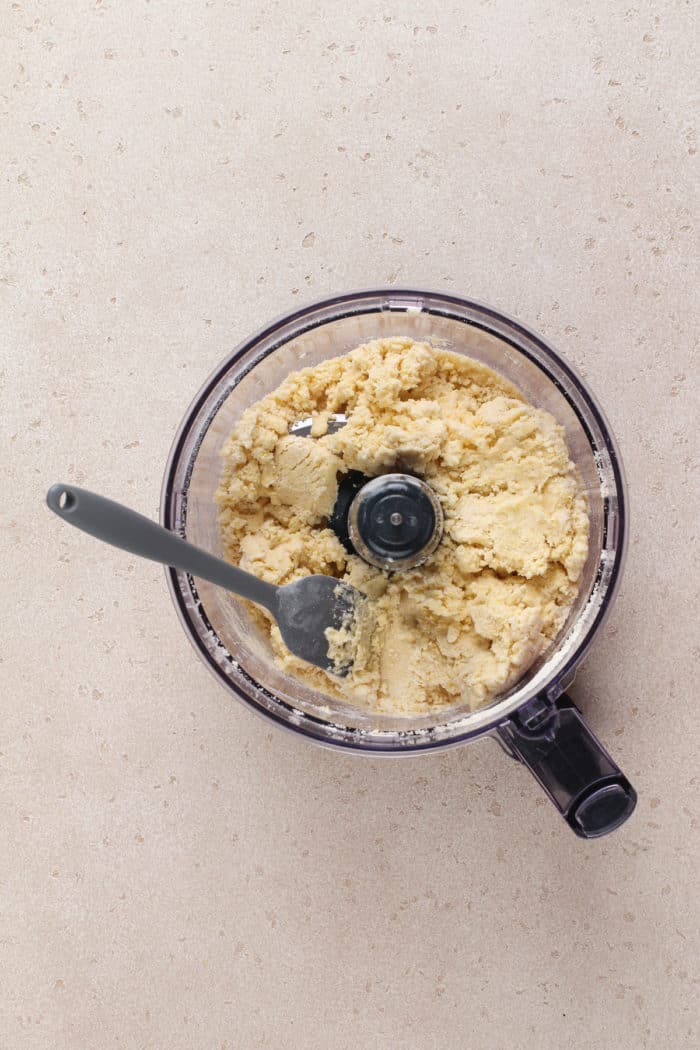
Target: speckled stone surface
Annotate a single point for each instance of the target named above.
(174, 873)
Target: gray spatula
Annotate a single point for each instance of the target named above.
(303, 609)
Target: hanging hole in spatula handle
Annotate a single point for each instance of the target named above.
(62, 499)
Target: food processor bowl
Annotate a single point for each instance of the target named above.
(533, 720)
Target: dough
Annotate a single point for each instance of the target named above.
(466, 624)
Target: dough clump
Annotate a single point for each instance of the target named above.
(466, 625)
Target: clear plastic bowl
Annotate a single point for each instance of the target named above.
(217, 622)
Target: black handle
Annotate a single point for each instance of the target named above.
(554, 742)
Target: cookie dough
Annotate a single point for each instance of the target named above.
(466, 624)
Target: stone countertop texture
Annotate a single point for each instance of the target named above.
(174, 873)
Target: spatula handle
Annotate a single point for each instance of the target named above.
(122, 527)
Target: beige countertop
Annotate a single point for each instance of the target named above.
(173, 872)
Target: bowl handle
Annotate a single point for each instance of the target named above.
(552, 739)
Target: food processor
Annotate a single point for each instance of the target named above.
(534, 720)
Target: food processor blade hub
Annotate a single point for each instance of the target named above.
(395, 522)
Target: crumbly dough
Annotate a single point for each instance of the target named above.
(466, 624)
